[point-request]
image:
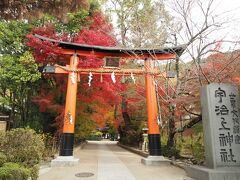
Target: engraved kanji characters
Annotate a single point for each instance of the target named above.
(221, 110)
(227, 156)
(223, 123)
(220, 93)
(225, 140)
(225, 110)
(235, 118)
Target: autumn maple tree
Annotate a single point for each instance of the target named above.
(96, 100)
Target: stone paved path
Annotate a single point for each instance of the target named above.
(107, 161)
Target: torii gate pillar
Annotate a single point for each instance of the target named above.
(67, 139)
(65, 157)
(152, 111)
(155, 155)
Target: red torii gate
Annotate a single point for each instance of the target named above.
(75, 50)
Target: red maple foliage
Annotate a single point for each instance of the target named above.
(107, 93)
(217, 68)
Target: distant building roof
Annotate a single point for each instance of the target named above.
(3, 116)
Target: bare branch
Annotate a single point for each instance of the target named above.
(189, 125)
(195, 114)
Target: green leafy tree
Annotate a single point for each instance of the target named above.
(142, 23)
(19, 72)
(18, 77)
(11, 37)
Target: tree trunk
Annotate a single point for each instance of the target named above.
(115, 111)
(125, 114)
(12, 105)
(171, 125)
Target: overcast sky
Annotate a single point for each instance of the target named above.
(234, 7)
(227, 11)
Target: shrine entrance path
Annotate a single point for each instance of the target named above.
(107, 161)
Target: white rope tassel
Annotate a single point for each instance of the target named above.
(79, 77)
(90, 79)
(70, 119)
(113, 77)
(159, 120)
(73, 78)
(133, 78)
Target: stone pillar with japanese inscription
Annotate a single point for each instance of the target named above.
(221, 126)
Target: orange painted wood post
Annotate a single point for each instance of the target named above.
(67, 139)
(153, 128)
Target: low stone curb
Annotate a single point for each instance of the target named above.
(136, 151)
(177, 163)
(78, 147)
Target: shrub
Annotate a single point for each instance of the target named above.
(164, 139)
(2, 139)
(170, 151)
(50, 144)
(192, 147)
(13, 171)
(34, 172)
(3, 159)
(198, 149)
(94, 138)
(23, 146)
(130, 137)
